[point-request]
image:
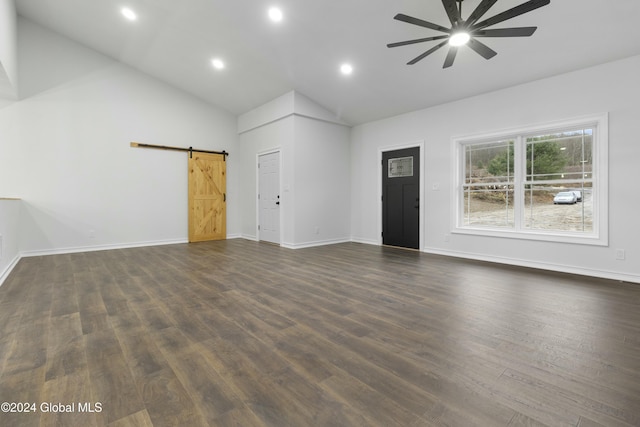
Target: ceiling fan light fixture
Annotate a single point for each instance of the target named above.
(275, 14)
(459, 39)
(129, 14)
(466, 31)
(217, 63)
(346, 69)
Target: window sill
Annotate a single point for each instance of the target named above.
(557, 237)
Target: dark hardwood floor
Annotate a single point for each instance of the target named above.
(238, 333)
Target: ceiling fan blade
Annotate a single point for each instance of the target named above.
(506, 32)
(511, 13)
(452, 11)
(421, 23)
(427, 53)
(428, 39)
(480, 11)
(485, 51)
(451, 56)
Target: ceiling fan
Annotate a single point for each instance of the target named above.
(467, 31)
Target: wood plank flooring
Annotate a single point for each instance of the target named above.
(238, 333)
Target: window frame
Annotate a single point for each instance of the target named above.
(600, 174)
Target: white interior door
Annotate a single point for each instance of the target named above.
(269, 197)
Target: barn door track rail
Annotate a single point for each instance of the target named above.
(190, 150)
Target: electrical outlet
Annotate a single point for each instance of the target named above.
(447, 237)
(620, 254)
(92, 234)
(317, 230)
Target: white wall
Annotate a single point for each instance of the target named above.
(322, 182)
(315, 170)
(65, 151)
(278, 134)
(9, 235)
(8, 56)
(611, 88)
(277, 109)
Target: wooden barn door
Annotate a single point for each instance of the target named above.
(207, 197)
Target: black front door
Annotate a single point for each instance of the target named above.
(401, 198)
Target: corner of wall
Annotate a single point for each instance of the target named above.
(8, 50)
(291, 103)
(9, 236)
(306, 107)
(270, 112)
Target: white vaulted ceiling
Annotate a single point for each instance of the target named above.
(175, 41)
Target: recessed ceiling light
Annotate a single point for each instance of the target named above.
(129, 14)
(459, 39)
(346, 69)
(217, 64)
(275, 14)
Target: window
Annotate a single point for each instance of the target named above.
(545, 182)
(400, 167)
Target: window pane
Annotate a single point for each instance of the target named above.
(489, 206)
(488, 194)
(402, 166)
(559, 178)
(560, 207)
(489, 163)
(565, 155)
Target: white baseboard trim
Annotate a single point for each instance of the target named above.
(4, 274)
(314, 243)
(234, 236)
(78, 249)
(365, 241)
(603, 274)
(249, 237)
